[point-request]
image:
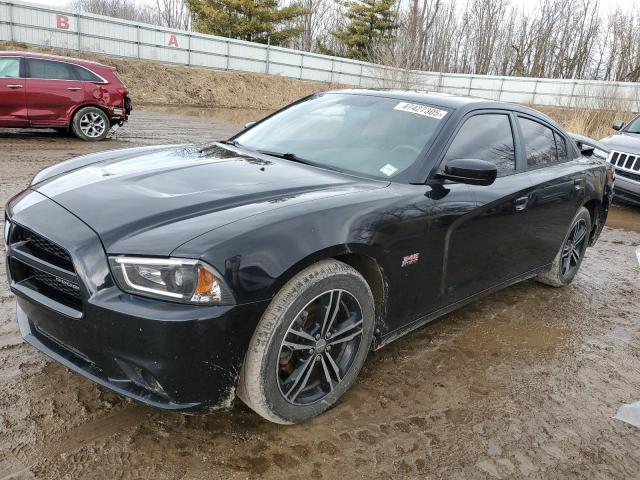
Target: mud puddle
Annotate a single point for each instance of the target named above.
(522, 384)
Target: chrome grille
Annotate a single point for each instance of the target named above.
(629, 175)
(628, 162)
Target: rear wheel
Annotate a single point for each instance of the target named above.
(569, 258)
(90, 124)
(309, 345)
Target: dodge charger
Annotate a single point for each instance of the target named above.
(267, 266)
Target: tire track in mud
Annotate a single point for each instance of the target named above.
(85, 434)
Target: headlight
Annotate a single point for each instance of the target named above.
(177, 279)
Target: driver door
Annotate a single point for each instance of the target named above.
(483, 247)
(13, 102)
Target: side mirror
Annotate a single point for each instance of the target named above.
(471, 171)
(617, 125)
(249, 125)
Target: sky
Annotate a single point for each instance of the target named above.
(605, 5)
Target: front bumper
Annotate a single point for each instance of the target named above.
(168, 355)
(179, 362)
(627, 190)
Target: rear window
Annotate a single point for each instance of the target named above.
(539, 142)
(86, 75)
(49, 70)
(9, 67)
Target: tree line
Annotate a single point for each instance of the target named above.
(556, 39)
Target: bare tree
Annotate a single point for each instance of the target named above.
(168, 13)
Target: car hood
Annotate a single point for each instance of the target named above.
(626, 142)
(151, 202)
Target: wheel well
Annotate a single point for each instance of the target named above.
(372, 272)
(595, 211)
(73, 114)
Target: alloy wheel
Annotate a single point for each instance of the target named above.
(319, 347)
(573, 248)
(92, 124)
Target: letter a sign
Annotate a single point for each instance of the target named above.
(173, 40)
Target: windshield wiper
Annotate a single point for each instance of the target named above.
(287, 156)
(233, 143)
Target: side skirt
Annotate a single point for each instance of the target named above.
(394, 335)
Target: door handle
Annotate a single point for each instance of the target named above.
(521, 203)
(14, 85)
(74, 88)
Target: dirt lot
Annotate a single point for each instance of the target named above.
(523, 384)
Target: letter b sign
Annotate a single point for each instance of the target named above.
(62, 22)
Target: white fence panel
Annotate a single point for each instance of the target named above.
(60, 28)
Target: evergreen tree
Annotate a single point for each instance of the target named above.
(259, 21)
(371, 23)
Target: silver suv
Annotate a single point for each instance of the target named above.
(624, 155)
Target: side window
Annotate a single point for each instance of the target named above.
(487, 137)
(85, 75)
(9, 67)
(561, 147)
(539, 143)
(49, 70)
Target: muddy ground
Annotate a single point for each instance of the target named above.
(522, 384)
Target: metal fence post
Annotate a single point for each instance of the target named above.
(501, 89)
(78, 29)
(266, 68)
(228, 54)
(188, 49)
(360, 77)
(573, 93)
(535, 90)
(333, 69)
(11, 38)
(301, 65)
(138, 40)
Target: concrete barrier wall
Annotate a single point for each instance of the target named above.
(58, 28)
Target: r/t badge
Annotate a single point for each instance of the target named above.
(410, 259)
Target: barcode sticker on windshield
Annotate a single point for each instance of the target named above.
(423, 110)
(388, 169)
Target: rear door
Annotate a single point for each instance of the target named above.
(53, 91)
(557, 174)
(13, 106)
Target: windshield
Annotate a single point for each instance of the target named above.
(374, 136)
(634, 126)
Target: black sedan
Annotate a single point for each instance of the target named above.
(269, 265)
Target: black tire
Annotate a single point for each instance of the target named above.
(90, 124)
(268, 377)
(569, 258)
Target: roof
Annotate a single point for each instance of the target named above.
(434, 98)
(5, 53)
(446, 100)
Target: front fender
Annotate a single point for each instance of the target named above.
(257, 255)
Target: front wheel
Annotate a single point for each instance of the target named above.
(309, 345)
(90, 124)
(569, 258)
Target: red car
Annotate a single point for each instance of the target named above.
(67, 94)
